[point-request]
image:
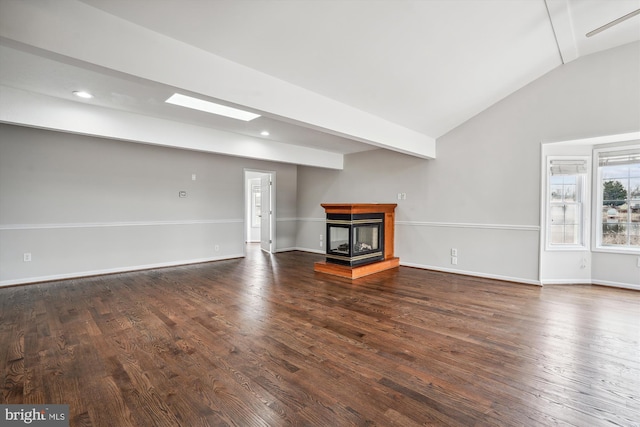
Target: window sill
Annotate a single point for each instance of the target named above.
(614, 250)
(567, 248)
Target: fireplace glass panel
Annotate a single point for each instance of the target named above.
(339, 240)
(365, 238)
(355, 239)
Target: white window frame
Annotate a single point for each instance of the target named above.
(597, 206)
(582, 194)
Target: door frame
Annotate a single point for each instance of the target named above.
(247, 204)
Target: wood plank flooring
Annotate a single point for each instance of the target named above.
(266, 341)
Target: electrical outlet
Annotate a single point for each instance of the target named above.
(216, 248)
(321, 244)
(27, 257)
(454, 260)
(454, 252)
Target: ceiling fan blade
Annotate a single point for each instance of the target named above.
(612, 23)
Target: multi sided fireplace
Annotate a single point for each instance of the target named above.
(355, 239)
(360, 239)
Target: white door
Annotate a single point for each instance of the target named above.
(266, 213)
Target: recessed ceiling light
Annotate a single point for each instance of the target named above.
(264, 133)
(210, 107)
(82, 94)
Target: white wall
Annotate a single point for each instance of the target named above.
(84, 205)
(482, 193)
(425, 232)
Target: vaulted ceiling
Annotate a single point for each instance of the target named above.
(327, 77)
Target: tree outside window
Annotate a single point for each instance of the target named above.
(620, 210)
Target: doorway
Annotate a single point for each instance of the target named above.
(259, 208)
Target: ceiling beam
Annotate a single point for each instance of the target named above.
(560, 16)
(40, 111)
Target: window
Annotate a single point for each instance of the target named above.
(565, 217)
(619, 198)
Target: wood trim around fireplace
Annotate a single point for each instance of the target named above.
(390, 261)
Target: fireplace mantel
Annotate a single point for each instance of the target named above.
(356, 208)
(352, 213)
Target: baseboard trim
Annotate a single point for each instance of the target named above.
(608, 283)
(565, 282)
(518, 280)
(611, 284)
(89, 273)
(295, 248)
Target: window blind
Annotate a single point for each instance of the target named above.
(568, 167)
(619, 158)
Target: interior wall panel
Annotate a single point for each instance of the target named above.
(84, 205)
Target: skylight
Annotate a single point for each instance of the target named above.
(210, 107)
(82, 94)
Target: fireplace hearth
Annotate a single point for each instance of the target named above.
(360, 239)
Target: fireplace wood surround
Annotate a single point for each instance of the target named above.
(359, 239)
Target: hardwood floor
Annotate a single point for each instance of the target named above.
(267, 341)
